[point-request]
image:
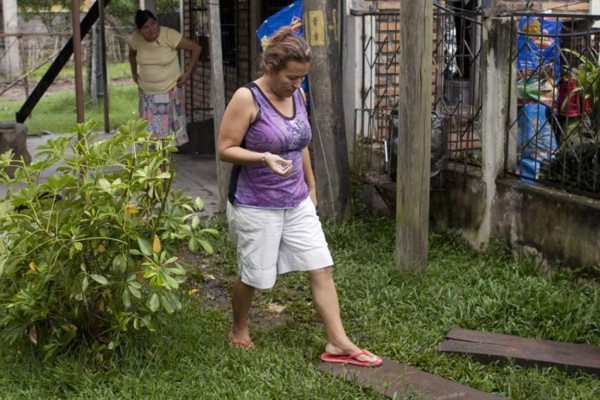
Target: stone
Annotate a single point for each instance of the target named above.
(13, 136)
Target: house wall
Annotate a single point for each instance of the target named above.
(565, 6)
(482, 204)
(520, 216)
(521, 5)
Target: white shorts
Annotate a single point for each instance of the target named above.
(271, 242)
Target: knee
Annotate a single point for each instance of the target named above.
(321, 274)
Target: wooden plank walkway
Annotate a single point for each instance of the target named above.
(396, 380)
(486, 346)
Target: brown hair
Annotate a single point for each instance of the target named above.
(284, 46)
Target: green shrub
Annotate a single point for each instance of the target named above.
(89, 254)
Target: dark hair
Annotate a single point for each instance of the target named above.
(142, 16)
(284, 46)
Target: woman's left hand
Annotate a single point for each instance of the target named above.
(182, 79)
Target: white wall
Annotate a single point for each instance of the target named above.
(9, 61)
(595, 10)
(352, 70)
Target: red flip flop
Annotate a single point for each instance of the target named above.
(247, 344)
(352, 359)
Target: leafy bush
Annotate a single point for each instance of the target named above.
(89, 253)
(574, 167)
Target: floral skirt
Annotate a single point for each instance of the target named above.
(165, 113)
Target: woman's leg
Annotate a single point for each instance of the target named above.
(241, 300)
(326, 302)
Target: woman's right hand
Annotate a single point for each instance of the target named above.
(136, 78)
(278, 165)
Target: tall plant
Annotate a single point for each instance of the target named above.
(90, 253)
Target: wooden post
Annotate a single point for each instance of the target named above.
(218, 95)
(149, 5)
(414, 134)
(77, 60)
(330, 154)
(102, 22)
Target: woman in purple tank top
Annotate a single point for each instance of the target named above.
(272, 195)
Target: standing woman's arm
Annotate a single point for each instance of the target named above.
(195, 49)
(133, 64)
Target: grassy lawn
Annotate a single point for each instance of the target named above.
(398, 316)
(57, 113)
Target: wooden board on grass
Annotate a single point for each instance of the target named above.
(486, 346)
(397, 381)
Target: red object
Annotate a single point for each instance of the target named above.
(352, 359)
(573, 106)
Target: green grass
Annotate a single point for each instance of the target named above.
(115, 71)
(57, 112)
(399, 316)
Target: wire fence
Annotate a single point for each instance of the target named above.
(455, 94)
(558, 95)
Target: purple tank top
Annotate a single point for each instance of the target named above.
(256, 185)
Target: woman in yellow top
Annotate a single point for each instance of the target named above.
(154, 61)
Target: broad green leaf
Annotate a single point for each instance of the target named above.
(154, 303)
(206, 246)
(126, 299)
(134, 284)
(210, 231)
(171, 283)
(119, 263)
(145, 247)
(195, 222)
(167, 305)
(100, 279)
(135, 292)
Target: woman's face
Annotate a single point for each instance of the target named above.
(150, 30)
(285, 82)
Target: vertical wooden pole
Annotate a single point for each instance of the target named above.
(218, 95)
(414, 134)
(102, 22)
(332, 170)
(77, 59)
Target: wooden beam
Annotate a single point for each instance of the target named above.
(489, 347)
(414, 134)
(330, 154)
(217, 88)
(398, 381)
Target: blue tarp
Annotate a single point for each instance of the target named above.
(535, 140)
(289, 16)
(538, 46)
